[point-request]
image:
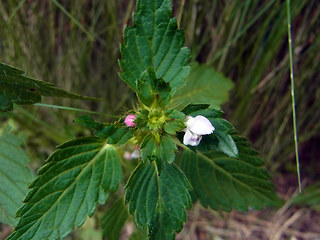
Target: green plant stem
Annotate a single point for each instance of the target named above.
(73, 109)
(75, 21)
(180, 12)
(293, 95)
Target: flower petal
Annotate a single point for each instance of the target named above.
(191, 139)
(200, 125)
(135, 154)
(129, 120)
(189, 121)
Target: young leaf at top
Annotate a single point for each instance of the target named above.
(80, 174)
(15, 177)
(204, 85)
(223, 182)
(158, 202)
(114, 219)
(152, 90)
(16, 88)
(154, 40)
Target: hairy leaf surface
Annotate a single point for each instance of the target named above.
(158, 202)
(80, 174)
(204, 85)
(14, 176)
(15, 87)
(223, 182)
(154, 40)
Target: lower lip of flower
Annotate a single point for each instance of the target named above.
(195, 139)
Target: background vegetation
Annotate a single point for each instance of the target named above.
(75, 45)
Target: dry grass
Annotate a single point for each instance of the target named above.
(288, 222)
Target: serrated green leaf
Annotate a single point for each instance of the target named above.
(189, 109)
(88, 122)
(116, 134)
(175, 122)
(222, 125)
(226, 144)
(113, 221)
(152, 90)
(164, 150)
(121, 136)
(16, 88)
(204, 85)
(14, 176)
(78, 176)
(246, 152)
(202, 109)
(223, 182)
(158, 202)
(154, 40)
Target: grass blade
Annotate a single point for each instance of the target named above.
(293, 94)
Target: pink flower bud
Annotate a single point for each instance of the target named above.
(129, 120)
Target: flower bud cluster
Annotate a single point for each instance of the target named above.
(196, 127)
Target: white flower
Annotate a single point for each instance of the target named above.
(195, 128)
(129, 156)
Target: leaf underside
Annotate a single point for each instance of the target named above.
(15, 177)
(16, 88)
(158, 202)
(154, 40)
(80, 174)
(223, 182)
(114, 220)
